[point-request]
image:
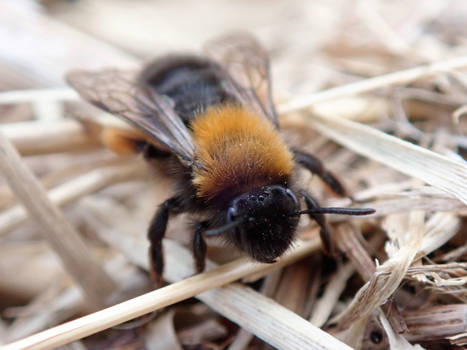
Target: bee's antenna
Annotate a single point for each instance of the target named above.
(341, 211)
(221, 229)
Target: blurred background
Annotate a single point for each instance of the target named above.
(313, 44)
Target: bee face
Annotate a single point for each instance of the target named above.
(267, 221)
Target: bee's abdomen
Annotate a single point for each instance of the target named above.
(238, 151)
(193, 83)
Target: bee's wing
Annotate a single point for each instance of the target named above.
(116, 92)
(247, 64)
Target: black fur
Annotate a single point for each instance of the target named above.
(193, 83)
(268, 228)
(199, 246)
(156, 233)
(320, 220)
(152, 152)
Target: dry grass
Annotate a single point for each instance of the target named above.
(376, 89)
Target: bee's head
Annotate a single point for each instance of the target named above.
(265, 227)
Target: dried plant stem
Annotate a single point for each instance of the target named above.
(293, 287)
(242, 339)
(2, 332)
(396, 340)
(269, 286)
(428, 166)
(385, 207)
(378, 289)
(74, 189)
(64, 306)
(49, 70)
(437, 322)
(38, 95)
(66, 242)
(267, 319)
(335, 287)
(42, 137)
(61, 304)
(459, 339)
(457, 253)
(348, 243)
(441, 227)
(399, 77)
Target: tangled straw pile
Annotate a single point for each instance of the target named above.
(377, 90)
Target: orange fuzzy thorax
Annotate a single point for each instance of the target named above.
(238, 151)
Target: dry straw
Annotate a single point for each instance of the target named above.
(418, 215)
(256, 313)
(76, 188)
(56, 229)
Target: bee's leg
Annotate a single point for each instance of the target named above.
(199, 246)
(320, 220)
(314, 165)
(156, 233)
(152, 152)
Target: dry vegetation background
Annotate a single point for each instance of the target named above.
(73, 216)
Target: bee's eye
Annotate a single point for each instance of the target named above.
(231, 214)
(291, 196)
(275, 190)
(243, 203)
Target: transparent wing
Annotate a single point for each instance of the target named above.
(116, 92)
(247, 64)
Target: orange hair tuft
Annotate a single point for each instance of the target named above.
(238, 150)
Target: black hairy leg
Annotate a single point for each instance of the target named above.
(156, 233)
(311, 203)
(152, 152)
(314, 165)
(199, 246)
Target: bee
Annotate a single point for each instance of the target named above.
(213, 119)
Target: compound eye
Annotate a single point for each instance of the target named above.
(231, 214)
(292, 196)
(276, 190)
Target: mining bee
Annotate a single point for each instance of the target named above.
(212, 119)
